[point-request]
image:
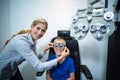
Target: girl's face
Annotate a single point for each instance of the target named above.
(59, 46)
(38, 31)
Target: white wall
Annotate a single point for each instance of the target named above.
(19, 14)
(4, 21)
(58, 13)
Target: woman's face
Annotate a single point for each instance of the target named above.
(38, 31)
(59, 46)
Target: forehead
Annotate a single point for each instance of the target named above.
(40, 25)
(59, 41)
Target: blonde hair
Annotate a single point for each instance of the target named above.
(20, 32)
(40, 20)
(60, 38)
(34, 23)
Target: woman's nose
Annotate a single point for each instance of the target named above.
(40, 32)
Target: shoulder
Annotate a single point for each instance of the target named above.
(23, 38)
(69, 58)
(20, 41)
(51, 57)
(20, 37)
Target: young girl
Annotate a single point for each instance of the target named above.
(21, 47)
(65, 69)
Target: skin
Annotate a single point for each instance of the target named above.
(38, 31)
(58, 52)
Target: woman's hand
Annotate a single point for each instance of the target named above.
(66, 52)
(48, 46)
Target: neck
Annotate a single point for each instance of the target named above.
(61, 60)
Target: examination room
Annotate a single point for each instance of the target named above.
(84, 31)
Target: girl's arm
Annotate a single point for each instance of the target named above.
(72, 76)
(48, 75)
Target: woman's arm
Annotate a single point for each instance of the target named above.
(72, 76)
(43, 52)
(28, 54)
(48, 75)
(65, 53)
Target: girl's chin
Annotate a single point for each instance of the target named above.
(58, 55)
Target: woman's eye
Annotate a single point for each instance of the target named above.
(38, 28)
(43, 30)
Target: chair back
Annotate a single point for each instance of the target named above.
(72, 45)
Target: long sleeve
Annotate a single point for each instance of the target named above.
(41, 54)
(25, 49)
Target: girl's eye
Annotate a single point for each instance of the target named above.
(55, 46)
(58, 45)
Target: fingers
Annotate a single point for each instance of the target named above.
(66, 52)
(50, 45)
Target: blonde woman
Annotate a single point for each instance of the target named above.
(21, 47)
